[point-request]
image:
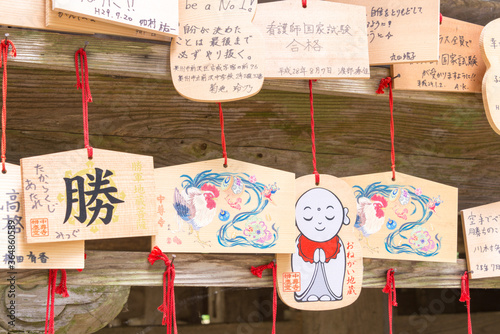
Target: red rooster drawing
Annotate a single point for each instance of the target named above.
(371, 216)
(197, 207)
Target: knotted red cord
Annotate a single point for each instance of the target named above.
(387, 82)
(168, 306)
(304, 3)
(313, 137)
(222, 135)
(390, 289)
(61, 289)
(257, 271)
(4, 50)
(83, 84)
(465, 297)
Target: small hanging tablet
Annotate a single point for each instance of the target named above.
(15, 252)
(401, 31)
(490, 49)
(407, 219)
(323, 40)
(325, 270)
(460, 67)
(241, 208)
(218, 55)
(75, 198)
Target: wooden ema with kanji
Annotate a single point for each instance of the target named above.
(490, 48)
(218, 55)
(69, 255)
(325, 269)
(401, 31)
(208, 208)
(38, 14)
(323, 40)
(481, 228)
(69, 197)
(157, 16)
(460, 67)
(406, 219)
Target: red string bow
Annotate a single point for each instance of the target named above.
(168, 306)
(4, 51)
(465, 297)
(60, 289)
(390, 289)
(257, 271)
(384, 83)
(83, 84)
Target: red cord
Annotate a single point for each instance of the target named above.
(387, 82)
(61, 289)
(390, 289)
(304, 3)
(440, 18)
(83, 84)
(313, 137)
(4, 50)
(168, 306)
(465, 297)
(222, 135)
(257, 271)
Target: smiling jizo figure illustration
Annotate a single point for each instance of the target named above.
(325, 269)
(320, 254)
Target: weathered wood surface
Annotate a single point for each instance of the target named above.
(147, 59)
(133, 269)
(86, 310)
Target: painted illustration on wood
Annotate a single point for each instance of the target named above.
(69, 197)
(15, 252)
(481, 228)
(206, 207)
(490, 48)
(409, 218)
(325, 270)
(324, 40)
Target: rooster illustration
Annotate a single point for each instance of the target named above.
(371, 216)
(197, 207)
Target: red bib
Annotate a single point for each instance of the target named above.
(307, 247)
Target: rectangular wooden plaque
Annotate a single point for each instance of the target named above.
(69, 197)
(460, 67)
(401, 31)
(158, 16)
(15, 252)
(481, 227)
(205, 207)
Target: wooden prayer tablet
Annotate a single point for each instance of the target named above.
(69, 22)
(407, 219)
(325, 270)
(401, 31)
(218, 55)
(38, 14)
(69, 197)
(157, 16)
(15, 252)
(460, 67)
(203, 207)
(481, 227)
(490, 49)
(324, 40)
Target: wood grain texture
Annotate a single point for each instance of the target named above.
(392, 36)
(133, 269)
(86, 310)
(323, 40)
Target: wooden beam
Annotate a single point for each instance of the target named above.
(132, 268)
(150, 59)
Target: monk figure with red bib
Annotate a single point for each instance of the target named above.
(319, 255)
